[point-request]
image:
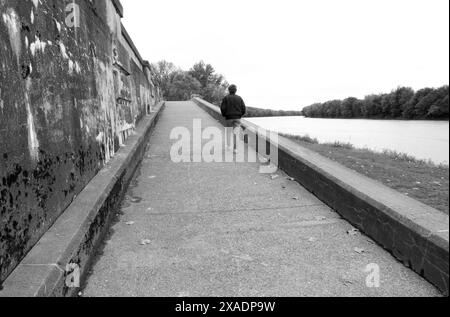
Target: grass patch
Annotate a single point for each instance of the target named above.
(306, 138)
(341, 145)
(418, 179)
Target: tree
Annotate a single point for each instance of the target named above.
(213, 85)
(162, 72)
(440, 108)
(402, 96)
(347, 107)
(357, 108)
(177, 84)
(334, 108)
(371, 107)
(326, 110)
(422, 102)
(204, 73)
(215, 93)
(182, 86)
(386, 104)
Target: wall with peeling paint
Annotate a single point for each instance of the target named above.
(69, 98)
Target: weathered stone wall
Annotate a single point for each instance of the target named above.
(72, 88)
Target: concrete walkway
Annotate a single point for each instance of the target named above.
(223, 229)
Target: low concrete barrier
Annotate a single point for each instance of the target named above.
(414, 233)
(77, 233)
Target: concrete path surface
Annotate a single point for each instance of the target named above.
(223, 229)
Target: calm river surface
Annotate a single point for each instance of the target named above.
(421, 139)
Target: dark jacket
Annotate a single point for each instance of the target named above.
(233, 107)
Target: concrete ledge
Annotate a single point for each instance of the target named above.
(118, 7)
(414, 233)
(79, 230)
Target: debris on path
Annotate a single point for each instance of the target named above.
(145, 242)
(353, 232)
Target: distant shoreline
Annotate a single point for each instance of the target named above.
(268, 113)
(401, 103)
(360, 118)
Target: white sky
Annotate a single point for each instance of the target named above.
(287, 54)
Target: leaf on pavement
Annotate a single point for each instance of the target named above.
(145, 241)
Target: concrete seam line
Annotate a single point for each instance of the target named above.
(408, 229)
(230, 211)
(31, 278)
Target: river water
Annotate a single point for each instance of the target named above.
(427, 140)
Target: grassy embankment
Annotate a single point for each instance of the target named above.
(421, 180)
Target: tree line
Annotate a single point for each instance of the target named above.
(402, 103)
(257, 112)
(177, 84)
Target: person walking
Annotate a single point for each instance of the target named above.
(233, 109)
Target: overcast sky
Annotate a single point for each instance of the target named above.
(287, 54)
